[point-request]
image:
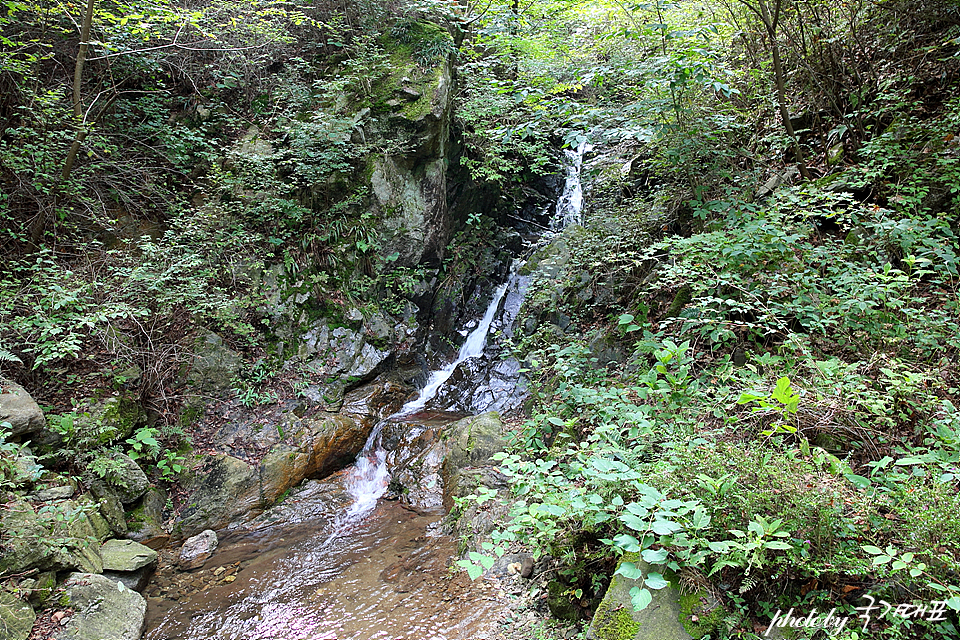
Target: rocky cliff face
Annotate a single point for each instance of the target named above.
(409, 183)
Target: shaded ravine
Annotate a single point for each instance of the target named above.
(334, 561)
(341, 563)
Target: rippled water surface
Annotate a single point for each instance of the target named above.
(384, 576)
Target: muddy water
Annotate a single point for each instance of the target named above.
(385, 576)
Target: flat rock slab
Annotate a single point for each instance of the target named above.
(103, 610)
(126, 555)
(16, 617)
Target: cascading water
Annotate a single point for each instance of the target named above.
(298, 577)
(570, 204)
(368, 479)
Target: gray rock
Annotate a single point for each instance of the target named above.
(519, 564)
(101, 530)
(133, 580)
(427, 460)
(112, 512)
(471, 441)
(16, 617)
(214, 366)
(226, 489)
(67, 544)
(23, 546)
(53, 493)
(103, 611)
(145, 523)
(127, 483)
(197, 550)
(41, 587)
(27, 468)
(19, 409)
(111, 418)
(126, 555)
(615, 618)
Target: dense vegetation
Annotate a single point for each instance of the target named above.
(756, 380)
(758, 383)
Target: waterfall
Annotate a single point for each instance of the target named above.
(369, 478)
(570, 203)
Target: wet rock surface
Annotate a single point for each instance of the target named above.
(197, 550)
(228, 489)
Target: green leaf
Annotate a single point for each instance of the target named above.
(778, 545)
(858, 481)
(633, 522)
(627, 542)
(655, 556)
(629, 570)
(655, 581)
(641, 598)
(665, 527)
(473, 570)
(876, 551)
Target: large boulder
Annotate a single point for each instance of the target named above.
(125, 480)
(410, 190)
(16, 617)
(128, 562)
(375, 401)
(671, 615)
(429, 459)
(471, 443)
(19, 409)
(227, 489)
(23, 547)
(342, 356)
(126, 555)
(102, 610)
(144, 523)
(214, 366)
(111, 418)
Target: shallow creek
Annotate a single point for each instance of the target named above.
(315, 577)
(335, 561)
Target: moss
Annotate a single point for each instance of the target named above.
(614, 624)
(684, 295)
(136, 518)
(708, 620)
(561, 607)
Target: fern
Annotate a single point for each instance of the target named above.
(7, 356)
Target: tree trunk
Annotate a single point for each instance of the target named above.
(771, 24)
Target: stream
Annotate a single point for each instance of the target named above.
(337, 561)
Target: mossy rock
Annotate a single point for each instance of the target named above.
(559, 602)
(16, 617)
(615, 618)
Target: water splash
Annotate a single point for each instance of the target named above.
(369, 478)
(570, 203)
(471, 348)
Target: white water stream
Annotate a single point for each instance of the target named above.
(368, 479)
(570, 203)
